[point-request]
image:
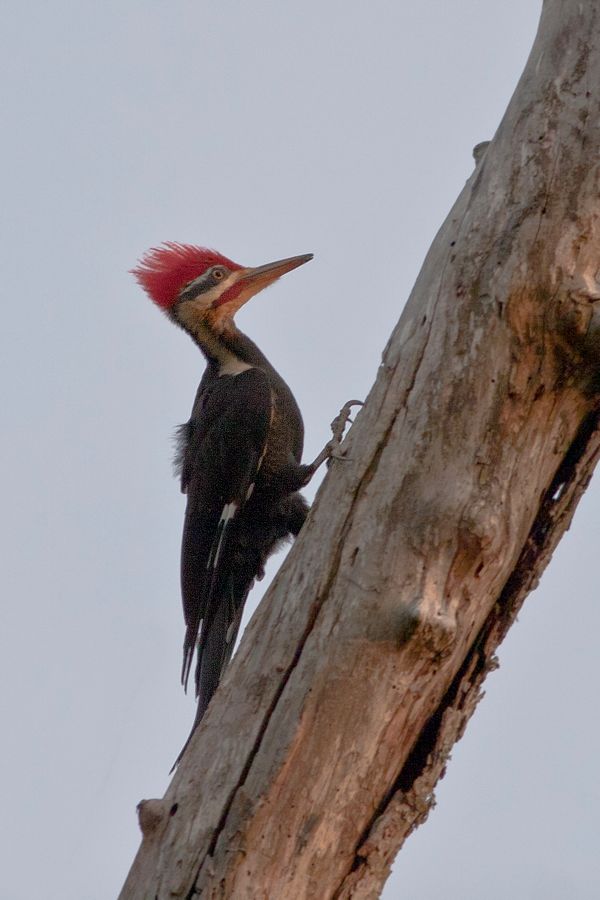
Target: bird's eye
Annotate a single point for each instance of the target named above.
(218, 274)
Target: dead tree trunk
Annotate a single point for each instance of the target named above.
(364, 662)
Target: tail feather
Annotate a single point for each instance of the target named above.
(214, 654)
(245, 561)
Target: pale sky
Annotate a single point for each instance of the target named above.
(263, 129)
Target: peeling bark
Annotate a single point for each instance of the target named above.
(363, 664)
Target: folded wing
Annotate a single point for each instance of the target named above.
(225, 444)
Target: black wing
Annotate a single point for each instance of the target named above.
(226, 442)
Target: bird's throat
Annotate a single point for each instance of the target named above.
(217, 347)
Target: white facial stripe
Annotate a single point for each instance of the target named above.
(206, 299)
(195, 282)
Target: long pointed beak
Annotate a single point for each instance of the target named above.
(261, 276)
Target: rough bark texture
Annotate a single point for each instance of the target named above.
(364, 662)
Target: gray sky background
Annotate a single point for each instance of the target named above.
(263, 129)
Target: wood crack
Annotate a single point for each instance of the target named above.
(569, 482)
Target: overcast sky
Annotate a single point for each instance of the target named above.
(263, 129)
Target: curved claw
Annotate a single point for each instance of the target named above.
(338, 426)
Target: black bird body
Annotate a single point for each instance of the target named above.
(239, 454)
(240, 464)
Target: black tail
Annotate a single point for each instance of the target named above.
(213, 656)
(258, 535)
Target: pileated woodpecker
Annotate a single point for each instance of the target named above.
(239, 455)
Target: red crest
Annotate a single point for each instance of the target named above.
(164, 271)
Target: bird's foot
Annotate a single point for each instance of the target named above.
(331, 450)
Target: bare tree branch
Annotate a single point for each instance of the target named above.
(364, 662)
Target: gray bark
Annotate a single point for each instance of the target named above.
(365, 660)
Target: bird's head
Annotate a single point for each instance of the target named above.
(201, 288)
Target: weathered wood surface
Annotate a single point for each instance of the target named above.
(365, 660)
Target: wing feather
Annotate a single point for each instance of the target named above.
(226, 445)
